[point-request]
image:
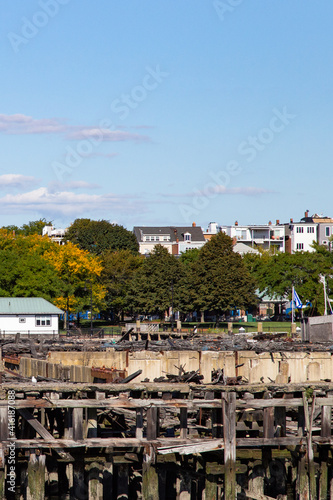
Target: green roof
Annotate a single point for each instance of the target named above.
(27, 305)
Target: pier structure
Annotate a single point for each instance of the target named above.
(166, 441)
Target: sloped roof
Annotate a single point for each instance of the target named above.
(241, 248)
(27, 305)
(173, 232)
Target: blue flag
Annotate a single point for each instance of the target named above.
(297, 300)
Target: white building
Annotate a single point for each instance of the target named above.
(28, 316)
(56, 235)
(174, 238)
(260, 235)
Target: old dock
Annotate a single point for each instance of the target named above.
(167, 440)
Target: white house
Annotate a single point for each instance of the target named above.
(56, 235)
(175, 239)
(28, 316)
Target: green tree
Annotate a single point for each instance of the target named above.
(276, 274)
(156, 284)
(119, 269)
(218, 281)
(33, 227)
(99, 236)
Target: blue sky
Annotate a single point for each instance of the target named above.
(165, 112)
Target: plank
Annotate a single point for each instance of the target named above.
(43, 432)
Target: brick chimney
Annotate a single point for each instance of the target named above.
(270, 223)
(236, 223)
(277, 221)
(194, 224)
(306, 213)
(291, 221)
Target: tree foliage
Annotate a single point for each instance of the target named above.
(100, 236)
(34, 266)
(33, 227)
(217, 280)
(155, 285)
(119, 270)
(276, 274)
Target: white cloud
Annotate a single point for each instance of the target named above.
(105, 135)
(20, 124)
(223, 190)
(58, 186)
(69, 204)
(16, 180)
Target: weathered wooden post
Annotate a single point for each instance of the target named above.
(149, 475)
(139, 423)
(183, 422)
(108, 475)
(149, 472)
(138, 331)
(95, 481)
(229, 434)
(325, 432)
(36, 478)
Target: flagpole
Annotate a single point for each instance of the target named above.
(292, 304)
(325, 297)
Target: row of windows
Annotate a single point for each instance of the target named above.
(299, 246)
(311, 229)
(40, 320)
(157, 238)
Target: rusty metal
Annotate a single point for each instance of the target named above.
(108, 374)
(12, 359)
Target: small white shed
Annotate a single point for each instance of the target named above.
(28, 316)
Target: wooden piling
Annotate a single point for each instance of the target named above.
(36, 477)
(229, 434)
(149, 475)
(95, 481)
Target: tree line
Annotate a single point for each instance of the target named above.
(102, 259)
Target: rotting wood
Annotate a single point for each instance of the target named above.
(43, 432)
(229, 434)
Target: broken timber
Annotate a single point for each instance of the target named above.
(150, 435)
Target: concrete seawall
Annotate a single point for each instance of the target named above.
(282, 367)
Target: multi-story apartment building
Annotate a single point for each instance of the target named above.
(267, 236)
(301, 235)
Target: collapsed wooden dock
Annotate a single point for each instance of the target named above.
(166, 441)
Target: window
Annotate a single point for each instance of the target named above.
(299, 229)
(311, 229)
(43, 321)
(327, 231)
(187, 237)
(300, 246)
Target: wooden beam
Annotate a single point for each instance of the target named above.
(43, 432)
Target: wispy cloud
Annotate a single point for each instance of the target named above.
(69, 204)
(244, 191)
(221, 190)
(102, 155)
(22, 124)
(16, 181)
(105, 135)
(19, 124)
(55, 186)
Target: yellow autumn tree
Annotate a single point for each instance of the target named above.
(79, 273)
